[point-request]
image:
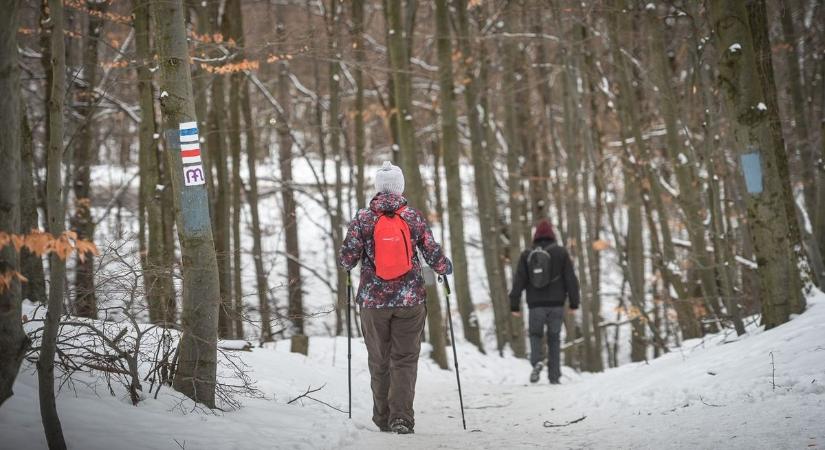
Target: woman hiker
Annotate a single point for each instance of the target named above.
(388, 237)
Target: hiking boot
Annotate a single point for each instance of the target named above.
(534, 375)
(401, 426)
(555, 382)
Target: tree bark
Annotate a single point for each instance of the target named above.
(515, 156)
(157, 275)
(232, 21)
(13, 340)
(56, 224)
(31, 265)
(289, 216)
(217, 141)
(197, 352)
(252, 198)
(804, 143)
(85, 303)
(744, 89)
(338, 154)
(399, 61)
(483, 179)
(452, 167)
(360, 127)
(683, 160)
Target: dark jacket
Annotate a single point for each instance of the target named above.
(406, 290)
(554, 294)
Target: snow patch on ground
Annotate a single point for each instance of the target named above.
(762, 390)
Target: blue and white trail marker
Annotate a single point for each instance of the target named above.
(188, 132)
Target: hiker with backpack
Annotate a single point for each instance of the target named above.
(546, 272)
(388, 237)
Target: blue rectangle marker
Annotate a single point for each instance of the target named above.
(752, 170)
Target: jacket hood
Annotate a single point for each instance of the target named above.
(387, 202)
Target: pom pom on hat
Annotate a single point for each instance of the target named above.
(389, 178)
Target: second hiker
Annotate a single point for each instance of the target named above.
(388, 238)
(546, 272)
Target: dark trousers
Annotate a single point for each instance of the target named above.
(393, 338)
(550, 317)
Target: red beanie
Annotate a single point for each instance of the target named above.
(544, 231)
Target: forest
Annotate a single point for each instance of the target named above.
(177, 178)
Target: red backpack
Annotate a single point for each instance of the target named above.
(393, 246)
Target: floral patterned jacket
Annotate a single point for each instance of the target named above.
(407, 290)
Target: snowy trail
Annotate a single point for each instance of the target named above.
(513, 417)
(713, 394)
(716, 393)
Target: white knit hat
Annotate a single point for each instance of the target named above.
(389, 178)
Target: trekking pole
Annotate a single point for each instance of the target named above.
(349, 343)
(455, 354)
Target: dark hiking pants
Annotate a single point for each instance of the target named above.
(393, 338)
(552, 318)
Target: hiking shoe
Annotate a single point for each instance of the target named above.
(555, 382)
(534, 375)
(401, 426)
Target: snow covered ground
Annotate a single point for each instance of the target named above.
(764, 390)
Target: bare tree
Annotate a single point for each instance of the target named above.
(56, 226)
(13, 340)
(196, 372)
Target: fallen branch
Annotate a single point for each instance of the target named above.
(548, 424)
(489, 406)
(709, 404)
(305, 394)
(311, 391)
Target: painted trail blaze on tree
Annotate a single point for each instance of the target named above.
(190, 153)
(197, 365)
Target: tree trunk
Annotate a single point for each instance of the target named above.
(360, 127)
(751, 105)
(338, 155)
(804, 142)
(594, 210)
(13, 340)
(216, 140)
(399, 60)
(197, 353)
(55, 221)
(515, 154)
(289, 216)
(157, 275)
(452, 167)
(232, 22)
(634, 246)
(204, 22)
(85, 304)
(252, 199)
(689, 197)
(764, 70)
(31, 265)
(483, 178)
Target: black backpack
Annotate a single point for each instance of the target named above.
(539, 267)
